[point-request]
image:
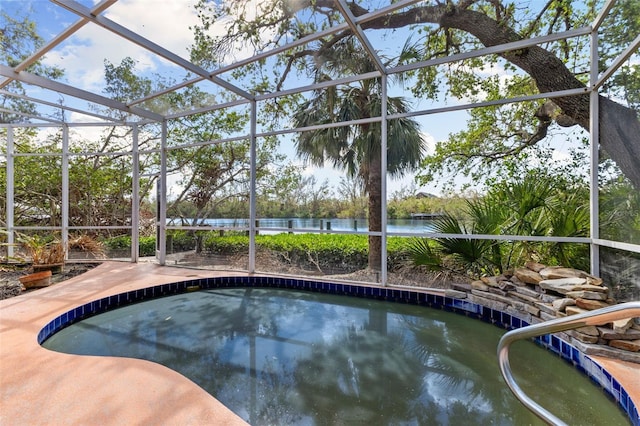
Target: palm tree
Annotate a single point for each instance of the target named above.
(356, 148)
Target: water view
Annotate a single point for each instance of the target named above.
(362, 225)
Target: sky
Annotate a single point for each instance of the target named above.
(167, 23)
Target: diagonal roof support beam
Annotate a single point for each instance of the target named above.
(46, 83)
(320, 86)
(617, 63)
(299, 42)
(238, 64)
(385, 10)
(99, 8)
(357, 30)
(24, 114)
(604, 12)
(135, 38)
(60, 106)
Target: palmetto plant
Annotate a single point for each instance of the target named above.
(570, 218)
(537, 205)
(463, 255)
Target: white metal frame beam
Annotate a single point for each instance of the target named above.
(133, 37)
(64, 202)
(9, 223)
(99, 8)
(135, 196)
(56, 86)
(492, 50)
(594, 160)
(359, 33)
(299, 42)
(376, 74)
(33, 116)
(60, 106)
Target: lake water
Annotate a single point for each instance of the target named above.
(393, 225)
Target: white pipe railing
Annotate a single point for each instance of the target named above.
(595, 317)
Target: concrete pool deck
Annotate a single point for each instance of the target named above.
(39, 387)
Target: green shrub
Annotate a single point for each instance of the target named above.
(147, 245)
(122, 242)
(320, 250)
(181, 240)
(311, 250)
(306, 250)
(227, 244)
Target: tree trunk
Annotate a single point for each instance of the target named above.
(375, 213)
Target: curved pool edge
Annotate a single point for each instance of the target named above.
(42, 387)
(113, 285)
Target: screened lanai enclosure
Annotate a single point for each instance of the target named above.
(429, 137)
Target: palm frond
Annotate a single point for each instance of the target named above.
(423, 254)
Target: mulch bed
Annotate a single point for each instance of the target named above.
(10, 286)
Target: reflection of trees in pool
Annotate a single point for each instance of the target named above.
(275, 357)
(273, 404)
(460, 369)
(397, 368)
(460, 356)
(361, 377)
(261, 389)
(372, 372)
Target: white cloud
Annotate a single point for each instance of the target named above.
(165, 23)
(429, 142)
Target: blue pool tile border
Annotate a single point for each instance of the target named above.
(501, 319)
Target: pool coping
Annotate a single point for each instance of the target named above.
(39, 386)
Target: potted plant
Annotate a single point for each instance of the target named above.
(45, 253)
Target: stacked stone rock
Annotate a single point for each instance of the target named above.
(537, 293)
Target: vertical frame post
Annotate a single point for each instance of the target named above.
(10, 192)
(594, 143)
(383, 183)
(252, 189)
(64, 208)
(135, 196)
(162, 198)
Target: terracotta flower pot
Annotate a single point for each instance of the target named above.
(37, 279)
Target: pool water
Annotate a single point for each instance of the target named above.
(300, 358)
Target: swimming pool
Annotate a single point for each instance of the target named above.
(357, 360)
